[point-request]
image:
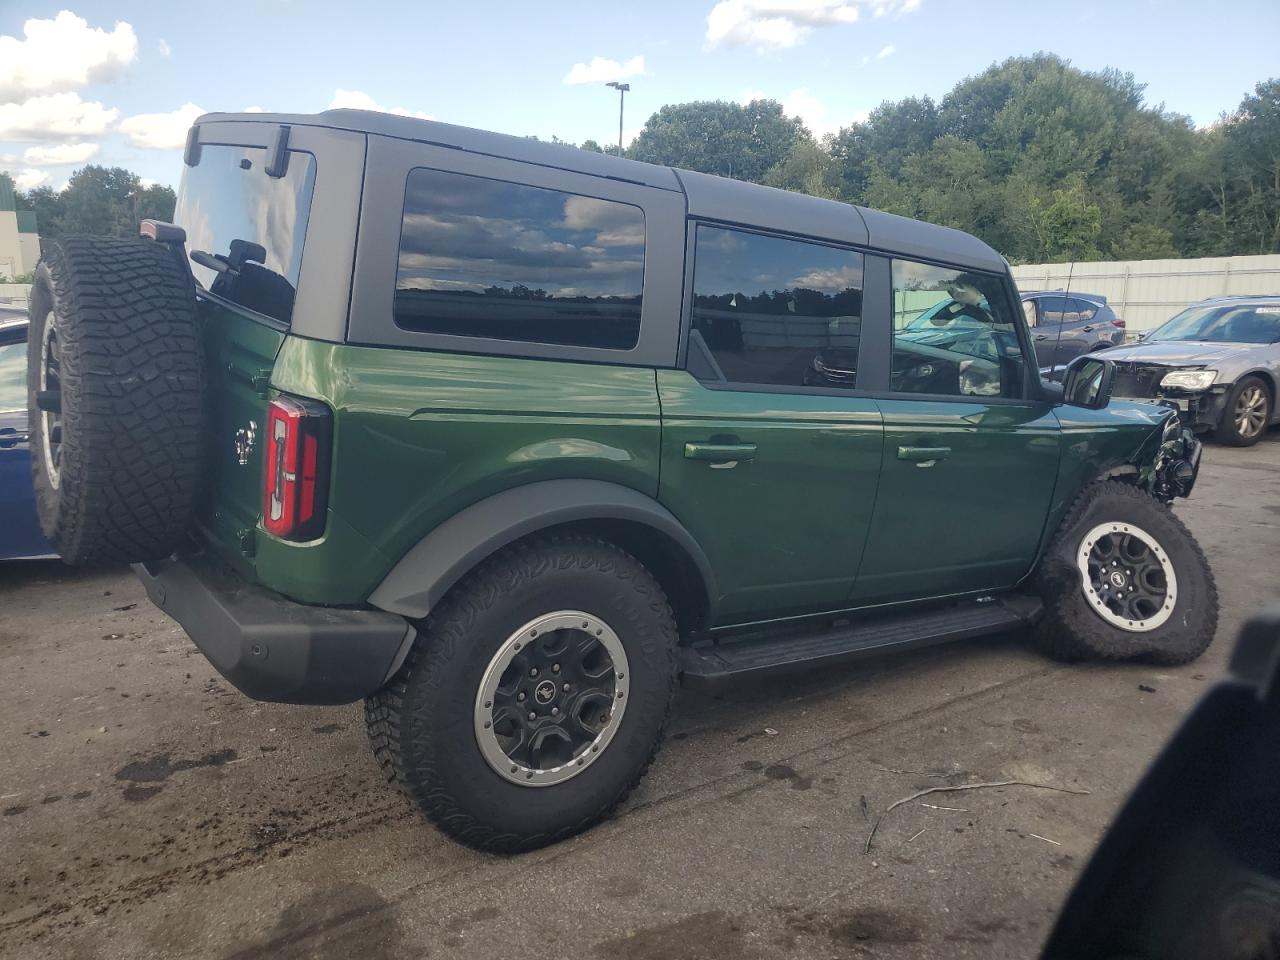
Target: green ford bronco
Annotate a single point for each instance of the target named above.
(506, 438)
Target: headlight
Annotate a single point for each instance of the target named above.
(1190, 379)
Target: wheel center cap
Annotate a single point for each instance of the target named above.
(544, 692)
(1117, 579)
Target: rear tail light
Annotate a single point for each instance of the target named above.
(1117, 322)
(296, 468)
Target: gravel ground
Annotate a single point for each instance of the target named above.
(148, 809)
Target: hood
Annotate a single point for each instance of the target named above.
(1177, 352)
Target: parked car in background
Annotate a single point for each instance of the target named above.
(1065, 326)
(1218, 360)
(20, 536)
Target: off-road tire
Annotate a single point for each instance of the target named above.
(1226, 432)
(421, 728)
(1071, 629)
(132, 399)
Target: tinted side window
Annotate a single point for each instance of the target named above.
(776, 311)
(1053, 309)
(954, 333)
(487, 258)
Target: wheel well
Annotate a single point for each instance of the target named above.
(670, 565)
(1268, 381)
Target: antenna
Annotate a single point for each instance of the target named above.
(1062, 322)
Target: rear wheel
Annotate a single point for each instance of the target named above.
(1124, 579)
(115, 391)
(1246, 414)
(534, 698)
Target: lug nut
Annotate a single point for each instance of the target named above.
(565, 687)
(533, 671)
(520, 696)
(555, 668)
(555, 711)
(532, 715)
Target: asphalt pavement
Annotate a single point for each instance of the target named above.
(147, 809)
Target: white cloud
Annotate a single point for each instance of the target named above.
(359, 100)
(765, 24)
(253, 110)
(166, 51)
(773, 23)
(802, 103)
(161, 131)
(602, 70)
(885, 52)
(59, 116)
(27, 179)
(64, 154)
(62, 54)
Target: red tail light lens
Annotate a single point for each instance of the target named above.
(1117, 322)
(296, 468)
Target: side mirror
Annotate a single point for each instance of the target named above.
(1088, 382)
(1142, 334)
(1190, 868)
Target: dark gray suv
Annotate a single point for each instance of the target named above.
(1065, 326)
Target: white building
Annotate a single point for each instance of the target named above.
(19, 242)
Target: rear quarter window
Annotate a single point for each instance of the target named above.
(487, 258)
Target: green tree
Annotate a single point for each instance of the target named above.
(807, 168)
(716, 136)
(103, 201)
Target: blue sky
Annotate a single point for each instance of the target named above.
(120, 87)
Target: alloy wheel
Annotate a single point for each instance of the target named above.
(552, 698)
(1127, 577)
(49, 400)
(1251, 411)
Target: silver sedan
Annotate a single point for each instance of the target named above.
(1218, 360)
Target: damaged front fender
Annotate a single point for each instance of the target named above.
(1173, 470)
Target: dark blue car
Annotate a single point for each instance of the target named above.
(20, 536)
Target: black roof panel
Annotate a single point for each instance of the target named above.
(712, 197)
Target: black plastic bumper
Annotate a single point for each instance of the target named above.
(272, 648)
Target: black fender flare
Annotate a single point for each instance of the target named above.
(445, 555)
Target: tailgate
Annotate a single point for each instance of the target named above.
(240, 353)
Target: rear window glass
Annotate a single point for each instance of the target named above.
(487, 258)
(228, 197)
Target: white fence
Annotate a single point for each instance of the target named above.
(1146, 293)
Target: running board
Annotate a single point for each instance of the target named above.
(774, 652)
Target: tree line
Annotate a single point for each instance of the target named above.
(1043, 161)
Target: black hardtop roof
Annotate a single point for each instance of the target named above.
(708, 197)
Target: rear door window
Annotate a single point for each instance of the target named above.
(775, 311)
(486, 258)
(1053, 310)
(249, 226)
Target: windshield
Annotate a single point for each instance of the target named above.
(229, 206)
(13, 376)
(1223, 323)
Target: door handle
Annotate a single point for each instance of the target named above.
(1088, 328)
(1042, 336)
(720, 453)
(923, 456)
(11, 438)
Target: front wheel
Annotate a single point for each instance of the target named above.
(1125, 579)
(1246, 413)
(534, 698)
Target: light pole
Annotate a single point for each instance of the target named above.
(622, 89)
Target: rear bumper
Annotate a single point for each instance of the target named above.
(272, 648)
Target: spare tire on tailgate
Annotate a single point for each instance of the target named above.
(115, 385)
